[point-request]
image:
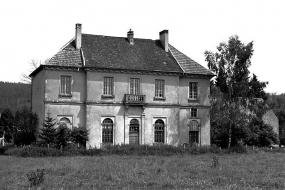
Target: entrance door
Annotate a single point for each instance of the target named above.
(134, 132)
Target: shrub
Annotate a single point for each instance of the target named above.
(36, 177)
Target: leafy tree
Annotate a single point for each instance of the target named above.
(63, 135)
(257, 87)
(26, 123)
(260, 134)
(79, 135)
(234, 88)
(48, 133)
(7, 125)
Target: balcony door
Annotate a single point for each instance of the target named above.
(134, 132)
(134, 86)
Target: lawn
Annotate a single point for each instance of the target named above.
(230, 171)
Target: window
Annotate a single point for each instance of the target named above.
(193, 90)
(159, 88)
(193, 132)
(108, 86)
(107, 131)
(65, 85)
(134, 86)
(159, 131)
(193, 112)
(66, 119)
(134, 132)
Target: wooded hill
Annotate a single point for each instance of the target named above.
(14, 95)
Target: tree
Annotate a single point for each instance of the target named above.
(33, 65)
(63, 135)
(7, 125)
(257, 87)
(231, 65)
(26, 123)
(79, 135)
(48, 133)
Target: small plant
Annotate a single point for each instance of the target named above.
(215, 162)
(36, 177)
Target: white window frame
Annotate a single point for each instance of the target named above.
(191, 91)
(159, 88)
(138, 86)
(70, 117)
(106, 86)
(63, 92)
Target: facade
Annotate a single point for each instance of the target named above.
(271, 119)
(125, 90)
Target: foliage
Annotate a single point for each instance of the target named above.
(79, 135)
(48, 133)
(7, 125)
(261, 134)
(233, 91)
(26, 123)
(63, 136)
(277, 103)
(36, 178)
(13, 96)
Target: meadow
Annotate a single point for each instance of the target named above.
(262, 170)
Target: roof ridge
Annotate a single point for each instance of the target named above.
(118, 37)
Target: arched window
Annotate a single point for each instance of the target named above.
(193, 132)
(134, 132)
(159, 131)
(107, 131)
(65, 121)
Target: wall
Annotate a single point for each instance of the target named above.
(38, 91)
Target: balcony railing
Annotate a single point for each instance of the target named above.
(134, 99)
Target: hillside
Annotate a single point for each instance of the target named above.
(14, 95)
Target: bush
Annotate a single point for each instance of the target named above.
(36, 177)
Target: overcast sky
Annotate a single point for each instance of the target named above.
(38, 29)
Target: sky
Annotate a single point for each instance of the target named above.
(37, 29)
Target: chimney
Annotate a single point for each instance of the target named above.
(163, 36)
(78, 36)
(131, 37)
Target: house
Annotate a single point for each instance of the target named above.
(125, 90)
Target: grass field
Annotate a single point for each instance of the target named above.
(229, 171)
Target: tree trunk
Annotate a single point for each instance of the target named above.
(230, 135)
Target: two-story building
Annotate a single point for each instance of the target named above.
(125, 90)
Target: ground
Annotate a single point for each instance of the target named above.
(228, 171)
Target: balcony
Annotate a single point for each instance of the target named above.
(134, 99)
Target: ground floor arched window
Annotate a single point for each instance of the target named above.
(134, 132)
(193, 132)
(159, 131)
(107, 131)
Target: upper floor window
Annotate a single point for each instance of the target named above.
(159, 88)
(65, 85)
(193, 112)
(193, 90)
(134, 86)
(108, 86)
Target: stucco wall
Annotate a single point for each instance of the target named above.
(53, 86)
(121, 87)
(203, 91)
(38, 89)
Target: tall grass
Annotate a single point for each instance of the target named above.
(261, 170)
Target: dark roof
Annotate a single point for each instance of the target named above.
(187, 64)
(105, 52)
